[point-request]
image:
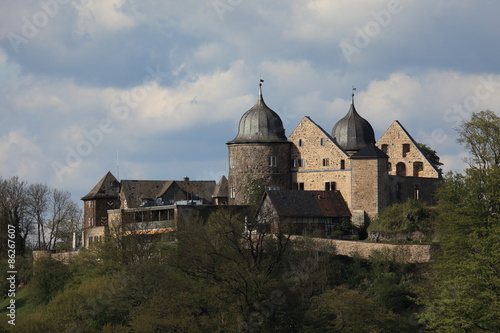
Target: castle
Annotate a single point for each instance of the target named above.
(368, 175)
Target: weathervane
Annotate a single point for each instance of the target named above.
(260, 85)
(353, 90)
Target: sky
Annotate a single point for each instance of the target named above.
(151, 89)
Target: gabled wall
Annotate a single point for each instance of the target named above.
(312, 144)
(392, 143)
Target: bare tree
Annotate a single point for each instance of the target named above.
(62, 217)
(37, 204)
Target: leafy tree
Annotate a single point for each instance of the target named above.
(49, 277)
(345, 310)
(465, 289)
(404, 219)
(430, 153)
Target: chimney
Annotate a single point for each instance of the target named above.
(186, 179)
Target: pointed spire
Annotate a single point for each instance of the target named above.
(260, 100)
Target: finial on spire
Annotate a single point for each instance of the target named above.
(260, 86)
(353, 90)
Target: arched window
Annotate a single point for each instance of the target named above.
(400, 169)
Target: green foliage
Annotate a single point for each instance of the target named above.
(254, 190)
(49, 277)
(404, 219)
(430, 153)
(464, 292)
(346, 310)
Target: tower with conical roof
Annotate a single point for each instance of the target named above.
(259, 155)
(353, 132)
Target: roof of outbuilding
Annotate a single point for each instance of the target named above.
(309, 203)
(107, 187)
(221, 188)
(353, 132)
(260, 124)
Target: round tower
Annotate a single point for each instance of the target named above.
(259, 156)
(353, 132)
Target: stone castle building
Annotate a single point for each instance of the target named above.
(367, 175)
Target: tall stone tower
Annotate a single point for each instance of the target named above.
(259, 155)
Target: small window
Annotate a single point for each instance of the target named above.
(300, 143)
(330, 186)
(231, 162)
(385, 148)
(232, 193)
(300, 186)
(406, 149)
(271, 161)
(272, 188)
(302, 162)
(322, 141)
(416, 193)
(326, 162)
(389, 166)
(342, 164)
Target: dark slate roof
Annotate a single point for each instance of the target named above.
(221, 189)
(202, 189)
(353, 132)
(260, 124)
(107, 188)
(134, 191)
(370, 151)
(309, 203)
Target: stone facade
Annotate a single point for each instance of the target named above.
(369, 185)
(318, 163)
(405, 157)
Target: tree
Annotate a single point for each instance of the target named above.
(464, 293)
(345, 310)
(13, 212)
(402, 219)
(481, 136)
(430, 153)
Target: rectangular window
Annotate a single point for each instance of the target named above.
(326, 162)
(330, 186)
(231, 162)
(416, 193)
(232, 193)
(302, 162)
(322, 141)
(300, 143)
(342, 164)
(385, 148)
(300, 186)
(406, 149)
(271, 161)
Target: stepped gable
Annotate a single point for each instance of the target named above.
(309, 203)
(107, 188)
(353, 132)
(260, 124)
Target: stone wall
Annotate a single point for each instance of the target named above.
(249, 161)
(409, 253)
(64, 256)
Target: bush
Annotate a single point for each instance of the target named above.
(404, 219)
(49, 277)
